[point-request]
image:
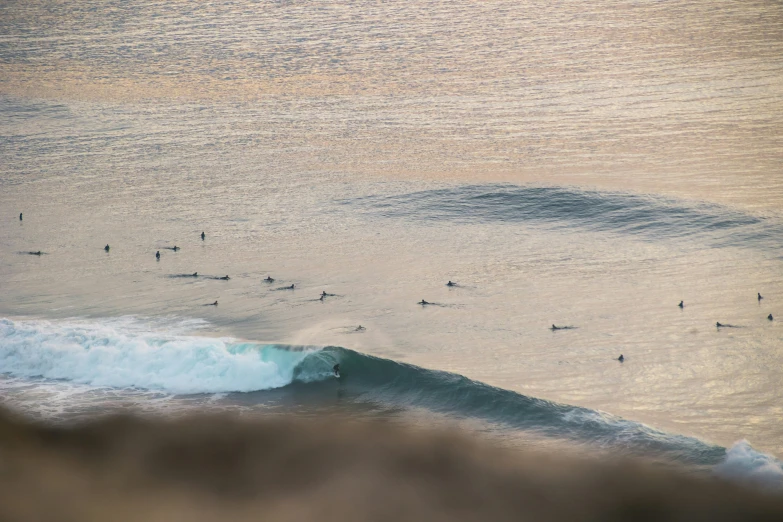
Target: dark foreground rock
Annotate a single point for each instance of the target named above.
(294, 469)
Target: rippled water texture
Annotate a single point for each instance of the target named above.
(682, 97)
(579, 163)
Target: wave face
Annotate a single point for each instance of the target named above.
(387, 381)
(125, 354)
(640, 215)
(120, 357)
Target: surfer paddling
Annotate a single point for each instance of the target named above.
(721, 325)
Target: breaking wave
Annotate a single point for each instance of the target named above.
(108, 355)
(105, 355)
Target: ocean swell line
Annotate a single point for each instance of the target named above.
(644, 216)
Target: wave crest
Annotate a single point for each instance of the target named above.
(745, 464)
(112, 356)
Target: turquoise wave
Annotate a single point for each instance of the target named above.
(374, 379)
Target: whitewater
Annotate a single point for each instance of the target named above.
(126, 356)
(101, 355)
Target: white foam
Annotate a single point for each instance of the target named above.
(745, 464)
(121, 354)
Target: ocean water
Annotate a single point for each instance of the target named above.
(569, 163)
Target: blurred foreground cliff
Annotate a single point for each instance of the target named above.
(294, 469)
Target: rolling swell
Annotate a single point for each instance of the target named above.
(640, 215)
(374, 379)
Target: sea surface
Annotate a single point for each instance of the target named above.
(584, 164)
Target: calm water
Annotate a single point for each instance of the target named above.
(568, 163)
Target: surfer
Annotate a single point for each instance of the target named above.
(203, 235)
(336, 370)
(39, 253)
(451, 284)
(681, 305)
(621, 358)
(423, 302)
(770, 317)
(224, 278)
(106, 248)
(213, 304)
(556, 328)
(718, 325)
(20, 216)
(157, 255)
(360, 328)
(323, 297)
(760, 296)
(269, 279)
(195, 274)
